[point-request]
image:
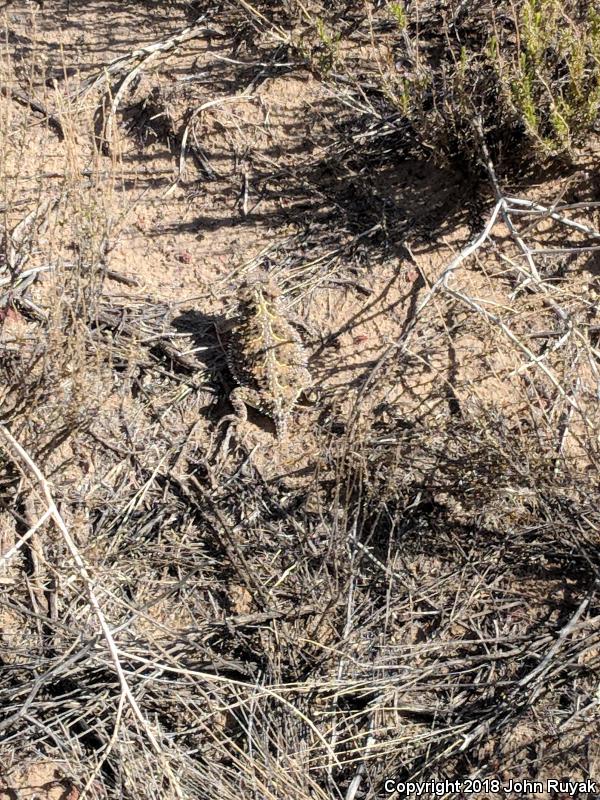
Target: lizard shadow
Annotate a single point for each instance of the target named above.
(203, 331)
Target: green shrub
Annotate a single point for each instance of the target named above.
(555, 81)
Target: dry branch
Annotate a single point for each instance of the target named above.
(52, 512)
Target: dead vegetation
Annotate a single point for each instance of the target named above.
(406, 588)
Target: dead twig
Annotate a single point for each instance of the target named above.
(52, 512)
(128, 61)
(35, 105)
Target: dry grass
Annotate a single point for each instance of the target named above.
(406, 589)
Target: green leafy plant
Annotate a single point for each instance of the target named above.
(328, 48)
(399, 13)
(555, 83)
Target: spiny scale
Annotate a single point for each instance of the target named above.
(265, 354)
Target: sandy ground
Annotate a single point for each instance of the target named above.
(258, 184)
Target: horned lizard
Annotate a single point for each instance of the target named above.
(265, 355)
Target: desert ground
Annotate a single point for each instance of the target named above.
(403, 587)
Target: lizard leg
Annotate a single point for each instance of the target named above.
(239, 417)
